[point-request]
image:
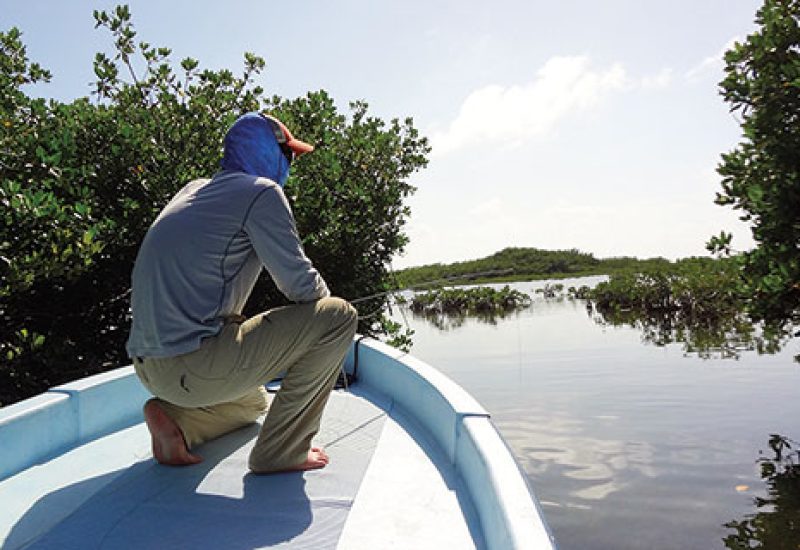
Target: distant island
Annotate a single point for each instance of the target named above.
(528, 264)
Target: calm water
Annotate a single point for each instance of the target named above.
(627, 445)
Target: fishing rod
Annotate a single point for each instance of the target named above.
(473, 275)
(345, 379)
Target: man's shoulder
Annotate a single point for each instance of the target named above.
(241, 179)
(269, 196)
(194, 185)
(247, 191)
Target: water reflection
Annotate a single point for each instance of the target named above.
(628, 446)
(589, 469)
(447, 308)
(776, 525)
(722, 334)
(725, 337)
(452, 320)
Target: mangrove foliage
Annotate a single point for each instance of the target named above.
(695, 303)
(81, 181)
(761, 175)
(476, 300)
(521, 264)
(448, 308)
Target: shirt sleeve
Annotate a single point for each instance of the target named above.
(272, 230)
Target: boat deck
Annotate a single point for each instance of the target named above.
(388, 485)
(415, 463)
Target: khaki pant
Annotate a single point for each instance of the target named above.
(220, 387)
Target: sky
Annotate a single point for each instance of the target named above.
(594, 125)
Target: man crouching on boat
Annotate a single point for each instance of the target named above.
(192, 348)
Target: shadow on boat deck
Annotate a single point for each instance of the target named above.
(219, 504)
(213, 504)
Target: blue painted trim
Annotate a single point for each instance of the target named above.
(510, 514)
(508, 510)
(433, 399)
(106, 402)
(67, 416)
(34, 430)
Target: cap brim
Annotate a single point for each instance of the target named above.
(299, 147)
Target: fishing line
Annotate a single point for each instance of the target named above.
(345, 380)
(473, 275)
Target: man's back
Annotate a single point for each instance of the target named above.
(201, 257)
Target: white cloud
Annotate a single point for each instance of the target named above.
(660, 80)
(713, 63)
(511, 114)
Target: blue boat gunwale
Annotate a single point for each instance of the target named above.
(506, 505)
(72, 414)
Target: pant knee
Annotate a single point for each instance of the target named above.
(257, 405)
(341, 312)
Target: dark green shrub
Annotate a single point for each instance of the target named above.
(761, 176)
(81, 182)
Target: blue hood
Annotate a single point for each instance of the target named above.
(251, 147)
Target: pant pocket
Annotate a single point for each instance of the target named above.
(216, 358)
(166, 379)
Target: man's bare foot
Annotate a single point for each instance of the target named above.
(317, 458)
(169, 446)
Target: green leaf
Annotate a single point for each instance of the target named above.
(755, 193)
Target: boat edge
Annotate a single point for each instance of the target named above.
(75, 413)
(509, 513)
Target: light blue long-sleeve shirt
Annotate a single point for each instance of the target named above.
(200, 259)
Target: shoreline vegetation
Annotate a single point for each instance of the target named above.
(82, 181)
(478, 300)
(692, 301)
(521, 264)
